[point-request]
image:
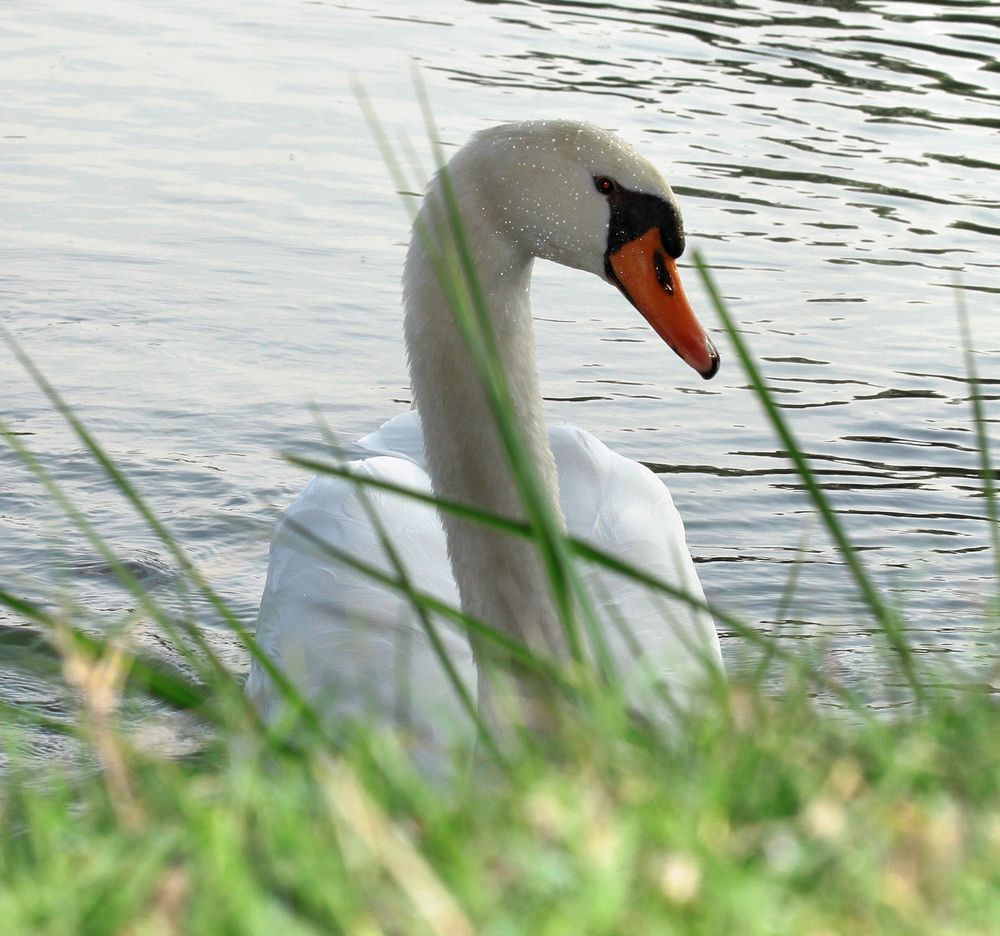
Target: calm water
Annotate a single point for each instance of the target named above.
(198, 240)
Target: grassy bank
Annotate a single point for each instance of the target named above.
(769, 817)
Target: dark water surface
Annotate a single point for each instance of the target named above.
(198, 240)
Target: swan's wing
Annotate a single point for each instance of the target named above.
(621, 507)
(352, 646)
(402, 436)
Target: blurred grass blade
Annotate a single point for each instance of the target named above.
(982, 436)
(28, 716)
(784, 607)
(504, 524)
(152, 677)
(508, 645)
(361, 817)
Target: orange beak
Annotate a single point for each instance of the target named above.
(648, 277)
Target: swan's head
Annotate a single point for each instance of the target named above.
(580, 196)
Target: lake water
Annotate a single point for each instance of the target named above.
(198, 240)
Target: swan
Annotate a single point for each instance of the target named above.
(557, 190)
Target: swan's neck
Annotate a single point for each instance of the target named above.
(500, 578)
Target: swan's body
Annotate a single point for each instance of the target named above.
(561, 191)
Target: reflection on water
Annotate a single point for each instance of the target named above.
(200, 241)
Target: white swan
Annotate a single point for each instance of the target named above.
(562, 191)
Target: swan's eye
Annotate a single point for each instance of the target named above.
(605, 185)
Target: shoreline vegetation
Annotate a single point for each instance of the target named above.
(801, 810)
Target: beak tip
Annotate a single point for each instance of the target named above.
(714, 361)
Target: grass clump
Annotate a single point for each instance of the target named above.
(769, 817)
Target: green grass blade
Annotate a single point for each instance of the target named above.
(982, 436)
(503, 524)
(26, 715)
(505, 644)
(474, 320)
(580, 549)
(152, 677)
(426, 620)
(887, 618)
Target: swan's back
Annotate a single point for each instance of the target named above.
(622, 508)
(356, 649)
